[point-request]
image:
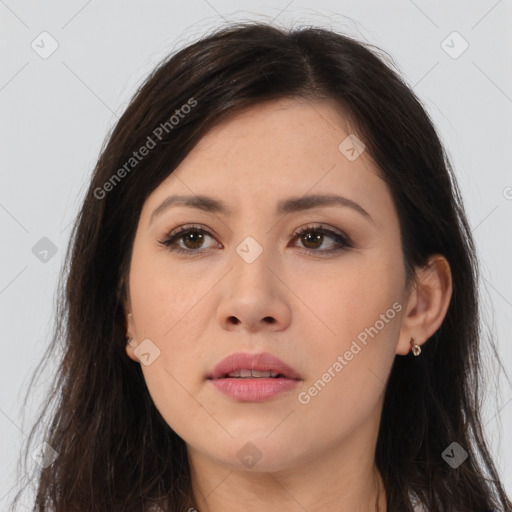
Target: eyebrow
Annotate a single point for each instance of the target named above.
(285, 206)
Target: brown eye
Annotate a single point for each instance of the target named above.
(192, 239)
(313, 237)
(316, 240)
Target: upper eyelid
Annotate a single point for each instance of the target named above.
(312, 226)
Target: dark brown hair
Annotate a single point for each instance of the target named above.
(115, 451)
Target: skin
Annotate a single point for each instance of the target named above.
(197, 310)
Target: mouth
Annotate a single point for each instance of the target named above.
(253, 374)
(253, 377)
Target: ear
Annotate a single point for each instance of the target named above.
(130, 331)
(427, 303)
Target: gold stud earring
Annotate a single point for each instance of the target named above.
(416, 349)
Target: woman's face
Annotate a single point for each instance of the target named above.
(330, 310)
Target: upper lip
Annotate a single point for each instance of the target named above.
(262, 361)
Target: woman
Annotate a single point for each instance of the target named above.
(271, 301)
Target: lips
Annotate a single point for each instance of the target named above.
(253, 377)
(239, 364)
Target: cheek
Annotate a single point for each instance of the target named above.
(343, 300)
(167, 311)
(349, 364)
(174, 398)
(162, 296)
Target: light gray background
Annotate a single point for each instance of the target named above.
(56, 112)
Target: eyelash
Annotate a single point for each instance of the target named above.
(343, 241)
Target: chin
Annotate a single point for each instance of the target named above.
(256, 454)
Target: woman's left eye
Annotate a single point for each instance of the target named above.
(192, 238)
(342, 241)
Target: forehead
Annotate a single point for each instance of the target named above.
(278, 129)
(277, 149)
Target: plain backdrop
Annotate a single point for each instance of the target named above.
(69, 69)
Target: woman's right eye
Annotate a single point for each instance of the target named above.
(192, 236)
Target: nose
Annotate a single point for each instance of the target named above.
(254, 297)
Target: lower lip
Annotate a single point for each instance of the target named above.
(253, 390)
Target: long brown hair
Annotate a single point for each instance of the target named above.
(115, 451)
